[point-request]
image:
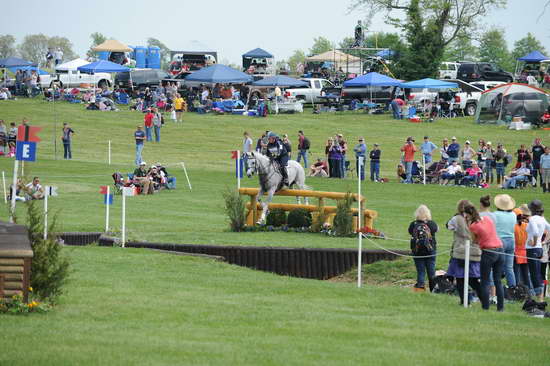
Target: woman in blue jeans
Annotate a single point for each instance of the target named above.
(505, 222)
(535, 231)
(492, 259)
(423, 246)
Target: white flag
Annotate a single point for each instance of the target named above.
(129, 191)
(51, 191)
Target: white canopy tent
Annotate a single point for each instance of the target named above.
(71, 65)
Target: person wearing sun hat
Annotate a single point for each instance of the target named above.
(505, 223)
(521, 269)
(535, 231)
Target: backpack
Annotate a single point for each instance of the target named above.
(422, 242)
(305, 144)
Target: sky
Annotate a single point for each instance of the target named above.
(229, 27)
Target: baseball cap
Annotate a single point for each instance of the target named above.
(143, 163)
(453, 138)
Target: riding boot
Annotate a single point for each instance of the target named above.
(545, 187)
(284, 172)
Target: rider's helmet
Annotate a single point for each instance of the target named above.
(272, 134)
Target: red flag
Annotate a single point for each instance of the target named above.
(103, 189)
(28, 133)
(234, 154)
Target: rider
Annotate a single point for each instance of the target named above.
(277, 151)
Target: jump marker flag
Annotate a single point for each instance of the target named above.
(107, 201)
(48, 191)
(239, 166)
(25, 149)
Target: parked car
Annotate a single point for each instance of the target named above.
(312, 92)
(375, 94)
(526, 105)
(448, 70)
(419, 95)
(73, 79)
(486, 85)
(478, 71)
(137, 79)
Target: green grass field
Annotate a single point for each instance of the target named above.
(138, 307)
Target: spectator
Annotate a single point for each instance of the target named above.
(472, 174)
(480, 151)
(12, 138)
(3, 137)
(247, 147)
(521, 268)
(334, 158)
(58, 56)
(505, 222)
(408, 157)
(158, 120)
(467, 155)
(443, 150)
(544, 163)
(139, 135)
(344, 147)
(523, 156)
(142, 178)
(179, 106)
(535, 231)
(537, 150)
(360, 151)
(488, 161)
(453, 150)
(34, 190)
(396, 105)
(427, 149)
(287, 144)
(148, 123)
(303, 147)
(517, 175)
(423, 246)
(319, 169)
(374, 156)
(500, 162)
(461, 238)
(492, 258)
(66, 138)
(453, 171)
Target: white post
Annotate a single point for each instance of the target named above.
(14, 190)
(238, 169)
(359, 214)
(4, 185)
(46, 212)
(123, 218)
(424, 168)
(466, 272)
(22, 167)
(107, 210)
(109, 154)
(186, 176)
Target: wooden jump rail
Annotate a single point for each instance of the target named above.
(254, 207)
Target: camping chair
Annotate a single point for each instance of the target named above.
(432, 172)
(417, 173)
(123, 98)
(118, 179)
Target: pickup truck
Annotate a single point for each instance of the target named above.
(73, 79)
(312, 92)
(376, 94)
(467, 98)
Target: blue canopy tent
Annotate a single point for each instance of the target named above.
(386, 54)
(25, 68)
(258, 53)
(102, 66)
(13, 62)
(535, 56)
(429, 84)
(280, 80)
(218, 74)
(372, 79)
(258, 58)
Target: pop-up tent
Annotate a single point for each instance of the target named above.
(429, 84)
(507, 101)
(372, 79)
(260, 59)
(14, 62)
(281, 81)
(102, 66)
(25, 68)
(258, 53)
(71, 65)
(535, 57)
(218, 74)
(341, 60)
(112, 45)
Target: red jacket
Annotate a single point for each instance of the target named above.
(148, 119)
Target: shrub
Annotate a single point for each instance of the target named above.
(50, 269)
(235, 209)
(276, 217)
(299, 218)
(343, 221)
(320, 218)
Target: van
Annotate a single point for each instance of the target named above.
(478, 71)
(448, 70)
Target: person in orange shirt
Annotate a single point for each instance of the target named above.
(521, 269)
(408, 157)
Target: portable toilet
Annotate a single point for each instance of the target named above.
(104, 55)
(132, 54)
(141, 57)
(153, 57)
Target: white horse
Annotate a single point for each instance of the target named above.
(271, 178)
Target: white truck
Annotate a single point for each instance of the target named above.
(73, 79)
(312, 92)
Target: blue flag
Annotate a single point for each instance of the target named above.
(242, 167)
(108, 199)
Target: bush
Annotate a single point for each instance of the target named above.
(299, 218)
(235, 209)
(50, 269)
(276, 217)
(317, 223)
(343, 221)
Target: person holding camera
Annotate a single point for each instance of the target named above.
(408, 151)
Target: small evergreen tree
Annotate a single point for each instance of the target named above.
(343, 221)
(234, 208)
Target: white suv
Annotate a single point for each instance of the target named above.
(448, 70)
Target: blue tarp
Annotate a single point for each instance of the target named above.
(14, 61)
(279, 80)
(429, 83)
(258, 53)
(102, 66)
(534, 56)
(385, 53)
(372, 79)
(219, 74)
(25, 68)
